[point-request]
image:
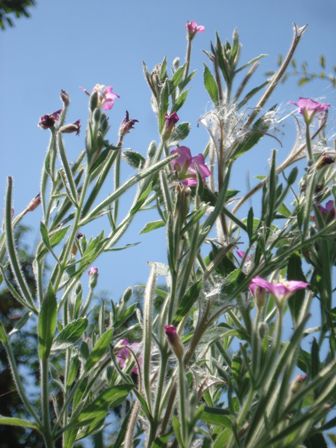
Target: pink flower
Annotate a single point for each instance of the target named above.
(93, 276)
(48, 121)
(308, 107)
(187, 167)
(106, 96)
(193, 28)
(281, 291)
(124, 353)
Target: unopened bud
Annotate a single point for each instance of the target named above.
(263, 329)
(297, 383)
(34, 203)
(64, 97)
(93, 276)
(174, 340)
(170, 121)
(152, 148)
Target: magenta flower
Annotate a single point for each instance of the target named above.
(48, 121)
(187, 167)
(308, 108)
(193, 28)
(124, 353)
(281, 291)
(329, 211)
(106, 96)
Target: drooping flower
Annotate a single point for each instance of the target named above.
(174, 340)
(281, 291)
(124, 353)
(193, 28)
(106, 96)
(187, 167)
(48, 121)
(71, 128)
(308, 108)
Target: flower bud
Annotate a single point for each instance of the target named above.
(34, 203)
(262, 329)
(297, 383)
(170, 121)
(174, 340)
(93, 276)
(64, 97)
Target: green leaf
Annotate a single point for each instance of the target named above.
(215, 416)
(13, 421)
(70, 334)
(99, 349)
(294, 272)
(314, 441)
(222, 438)
(179, 133)
(210, 84)
(46, 325)
(180, 100)
(178, 75)
(3, 334)
(187, 301)
(134, 159)
(152, 226)
(163, 104)
(110, 398)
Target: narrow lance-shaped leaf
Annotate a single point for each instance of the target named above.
(46, 325)
(210, 84)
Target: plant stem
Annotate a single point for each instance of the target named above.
(46, 427)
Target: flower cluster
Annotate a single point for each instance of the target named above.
(186, 167)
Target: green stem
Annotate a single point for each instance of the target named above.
(182, 402)
(47, 435)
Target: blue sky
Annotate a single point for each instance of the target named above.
(68, 44)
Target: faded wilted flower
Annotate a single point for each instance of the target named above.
(48, 121)
(127, 124)
(71, 128)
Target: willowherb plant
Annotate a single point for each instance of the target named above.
(214, 353)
